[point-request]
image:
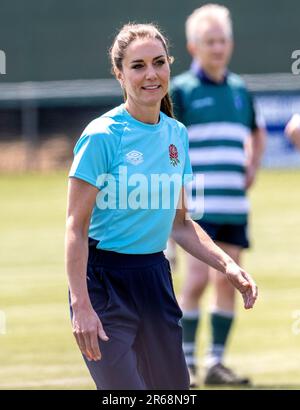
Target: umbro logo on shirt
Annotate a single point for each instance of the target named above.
(135, 157)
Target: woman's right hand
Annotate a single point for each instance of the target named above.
(243, 282)
(87, 327)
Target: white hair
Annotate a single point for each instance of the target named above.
(213, 13)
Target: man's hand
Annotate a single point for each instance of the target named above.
(243, 282)
(292, 129)
(87, 327)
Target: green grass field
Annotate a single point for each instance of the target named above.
(38, 351)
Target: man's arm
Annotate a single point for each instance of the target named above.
(255, 147)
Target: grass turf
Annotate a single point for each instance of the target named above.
(38, 351)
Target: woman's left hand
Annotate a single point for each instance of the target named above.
(244, 283)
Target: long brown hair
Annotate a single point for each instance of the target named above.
(126, 35)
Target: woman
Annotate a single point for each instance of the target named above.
(125, 316)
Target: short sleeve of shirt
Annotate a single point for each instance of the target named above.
(187, 172)
(257, 120)
(93, 156)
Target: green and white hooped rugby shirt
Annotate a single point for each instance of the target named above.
(219, 118)
(139, 169)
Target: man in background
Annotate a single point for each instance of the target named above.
(226, 145)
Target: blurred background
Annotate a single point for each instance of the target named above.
(55, 78)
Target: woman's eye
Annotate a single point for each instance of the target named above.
(138, 66)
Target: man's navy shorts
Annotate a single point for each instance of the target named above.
(133, 296)
(232, 234)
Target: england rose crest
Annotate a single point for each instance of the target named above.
(173, 154)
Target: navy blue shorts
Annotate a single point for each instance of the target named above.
(227, 233)
(134, 298)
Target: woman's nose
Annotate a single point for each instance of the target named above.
(151, 73)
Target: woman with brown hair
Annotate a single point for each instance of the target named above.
(125, 186)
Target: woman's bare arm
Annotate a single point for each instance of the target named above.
(193, 239)
(86, 325)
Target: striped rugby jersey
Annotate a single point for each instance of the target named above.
(219, 118)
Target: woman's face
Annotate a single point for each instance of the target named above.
(145, 72)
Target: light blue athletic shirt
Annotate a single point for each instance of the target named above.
(127, 160)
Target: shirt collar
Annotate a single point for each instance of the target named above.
(201, 74)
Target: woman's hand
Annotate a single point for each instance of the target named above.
(243, 282)
(87, 327)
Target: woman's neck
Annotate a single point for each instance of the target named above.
(146, 114)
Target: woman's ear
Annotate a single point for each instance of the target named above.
(119, 76)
